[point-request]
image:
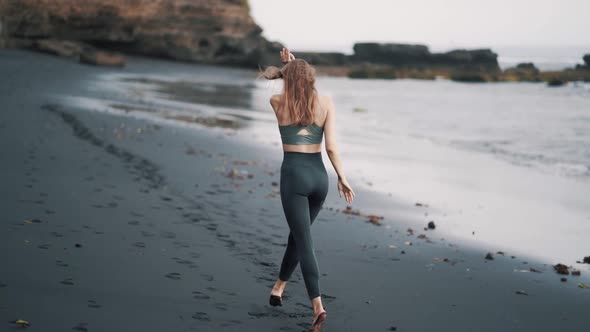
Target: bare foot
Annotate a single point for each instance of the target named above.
(318, 321)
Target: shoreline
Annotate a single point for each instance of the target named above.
(155, 213)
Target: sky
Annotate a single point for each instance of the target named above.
(334, 25)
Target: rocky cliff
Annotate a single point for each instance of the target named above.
(206, 31)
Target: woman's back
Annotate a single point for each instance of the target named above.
(300, 138)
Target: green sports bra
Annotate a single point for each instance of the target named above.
(289, 134)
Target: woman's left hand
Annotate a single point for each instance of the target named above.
(286, 55)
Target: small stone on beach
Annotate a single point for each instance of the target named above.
(489, 256)
(561, 268)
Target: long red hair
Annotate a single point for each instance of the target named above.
(299, 95)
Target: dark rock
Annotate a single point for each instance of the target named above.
(65, 48)
(576, 272)
(207, 31)
(525, 71)
(563, 279)
(561, 268)
(390, 53)
(527, 65)
(587, 260)
(431, 225)
(472, 77)
(586, 59)
(554, 82)
(489, 256)
(481, 59)
(372, 71)
(323, 58)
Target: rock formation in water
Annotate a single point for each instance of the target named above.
(394, 60)
(205, 31)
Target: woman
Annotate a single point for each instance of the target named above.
(303, 118)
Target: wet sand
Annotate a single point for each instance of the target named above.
(113, 223)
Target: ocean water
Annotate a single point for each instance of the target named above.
(504, 164)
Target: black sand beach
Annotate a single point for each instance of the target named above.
(113, 223)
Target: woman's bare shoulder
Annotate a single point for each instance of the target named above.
(326, 101)
(274, 100)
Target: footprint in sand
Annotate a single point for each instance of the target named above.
(93, 304)
(68, 281)
(147, 234)
(207, 277)
(60, 263)
(167, 235)
(81, 327)
(221, 306)
(202, 316)
(200, 296)
(173, 275)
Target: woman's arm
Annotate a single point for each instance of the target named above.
(333, 152)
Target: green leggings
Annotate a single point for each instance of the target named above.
(304, 187)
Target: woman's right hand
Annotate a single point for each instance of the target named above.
(286, 55)
(345, 189)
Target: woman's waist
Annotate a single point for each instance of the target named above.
(302, 158)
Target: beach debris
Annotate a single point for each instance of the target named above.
(349, 210)
(190, 150)
(561, 268)
(410, 231)
(489, 256)
(373, 219)
(392, 328)
(78, 245)
(21, 322)
(576, 272)
(532, 269)
(239, 174)
(421, 204)
(521, 292)
(359, 109)
(392, 246)
(564, 279)
(274, 183)
(403, 251)
(582, 285)
(431, 225)
(408, 243)
(32, 221)
(500, 253)
(437, 259)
